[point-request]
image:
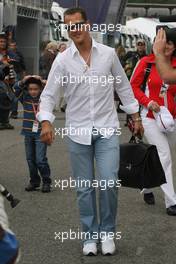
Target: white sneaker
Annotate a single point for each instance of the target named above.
(90, 249)
(108, 246)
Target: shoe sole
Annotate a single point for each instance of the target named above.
(91, 254)
(109, 254)
(170, 214)
(33, 190)
(149, 203)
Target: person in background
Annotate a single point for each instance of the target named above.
(121, 53)
(62, 47)
(19, 63)
(17, 60)
(61, 105)
(28, 91)
(7, 79)
(43, 45)
(3, 48)
(132, 57)
(9, 245)
(47, 58)
(157, 94)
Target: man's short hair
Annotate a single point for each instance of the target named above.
(74, 10)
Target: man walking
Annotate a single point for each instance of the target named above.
(92, 114)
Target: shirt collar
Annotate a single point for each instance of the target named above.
(74, 49)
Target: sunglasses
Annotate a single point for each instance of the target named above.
(74, 27)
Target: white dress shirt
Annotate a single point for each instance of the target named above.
(88, 92)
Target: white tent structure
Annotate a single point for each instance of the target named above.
(147, 25)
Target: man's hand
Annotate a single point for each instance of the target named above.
(160, 43)
(154, 106)
(138, 129)
(47, 134)
(163, 63)
(137, 125)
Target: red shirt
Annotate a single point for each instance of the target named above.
(154, 84)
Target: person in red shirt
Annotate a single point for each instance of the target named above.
(151, 100)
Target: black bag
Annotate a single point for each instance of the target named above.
(140, 166)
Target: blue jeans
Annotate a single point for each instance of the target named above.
(106, 154)
(37, 160)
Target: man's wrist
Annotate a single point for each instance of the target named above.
(159, 56)
(136, 117)
(158, 53)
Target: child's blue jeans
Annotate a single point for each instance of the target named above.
(37, 160)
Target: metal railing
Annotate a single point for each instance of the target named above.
(42, 4)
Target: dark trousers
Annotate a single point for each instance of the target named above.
(37, 160)
(4, 116)
(15, 106)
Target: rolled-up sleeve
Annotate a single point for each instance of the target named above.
(123, 87)
(51, 92)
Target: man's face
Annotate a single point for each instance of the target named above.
(141, 47)
(34, 90)
(78, 33)
(3, 43)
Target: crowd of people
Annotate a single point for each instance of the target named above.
(91, 109)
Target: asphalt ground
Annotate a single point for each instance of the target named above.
(148, 233)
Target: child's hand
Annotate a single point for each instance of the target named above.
(44, 82)
(25, 79)
(37, 77)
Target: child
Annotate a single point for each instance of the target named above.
(28, 91)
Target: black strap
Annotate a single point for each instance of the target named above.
(147, 73)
